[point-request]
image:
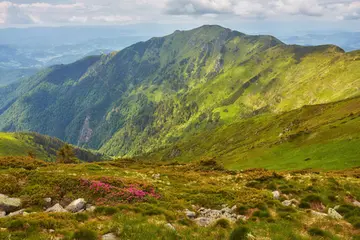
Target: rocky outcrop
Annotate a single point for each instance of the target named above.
(190, 214)
(76, 206)
(334, 214)
(318, 214)
(9, 204)
(57, 208)
(208, 216)
(109, 236)
(18, 213)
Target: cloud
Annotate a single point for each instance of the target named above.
(347, 11)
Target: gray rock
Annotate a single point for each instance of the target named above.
(51, 230)
(190, 214)
(241, 217)
(203, 221)
(356, 203)
(337, 207)
(334, 214)
(9, 204)
(109, 236)
(318, 214)
(56, 208)
(226, 210)
(276, 194)
(17, 213)
(170, 226)
(76, 206)
(2, 214)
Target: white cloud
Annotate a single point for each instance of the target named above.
(63, 12)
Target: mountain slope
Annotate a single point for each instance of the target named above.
(324, 136)
(155, 93)
(43, 147)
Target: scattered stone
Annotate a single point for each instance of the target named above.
(356, 203)
(2, 214)
(156, 176)
(337, 207)
(56, 208)
(190, 214)
(109, 236)
(47, 201)
(76, 206)
(51, 230)
(334, 214)
(9, 204)
(241, 217)
(318, 214)
(276, 194)
(203, 221)
(17, 213)
(170, 226)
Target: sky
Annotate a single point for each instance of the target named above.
(252, 15)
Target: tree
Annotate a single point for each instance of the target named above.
(66, 155)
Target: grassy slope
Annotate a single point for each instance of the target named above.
(44, 147)
(180, 187)
(154, 93)
(321, 136)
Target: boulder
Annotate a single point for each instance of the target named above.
(9, 204)
(56, 208)
(17, 213)
(334, 214)
(356, 203)
(287, 203)
(233, 209)
(109, 236)
(90, 208)
(76, 206)
(226, 210)
(276, 194)
(190, 214)
(203, 221)
(170, 226)
(2, 214)
(318, 214)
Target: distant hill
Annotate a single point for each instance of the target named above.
(42, 147)
(158, 93)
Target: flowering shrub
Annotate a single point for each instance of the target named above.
(109, 193)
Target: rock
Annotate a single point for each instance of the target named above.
(3, 229)
(90, 208)
(109, 236)
(292, 202)
(337, 207)
(203, 221)
(9, 204)
(76, 206)
(156, 176)
(250, 236)
(356, 203)
(190, 214)
(276, 194)
(17, 213)
(56, 208)
(170, 226)
(233, 209)
(2, 214)
(318, 214)
(51, 230)
(287, 203)
(226, 210)
(334, 214)
(242, 217)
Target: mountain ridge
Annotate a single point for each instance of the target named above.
(153, 93)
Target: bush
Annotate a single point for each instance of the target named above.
(85, 234)
(240, 233)
(81, 217)
(223, 223)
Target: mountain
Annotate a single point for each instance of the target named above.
(42, 147)
(158, 93)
